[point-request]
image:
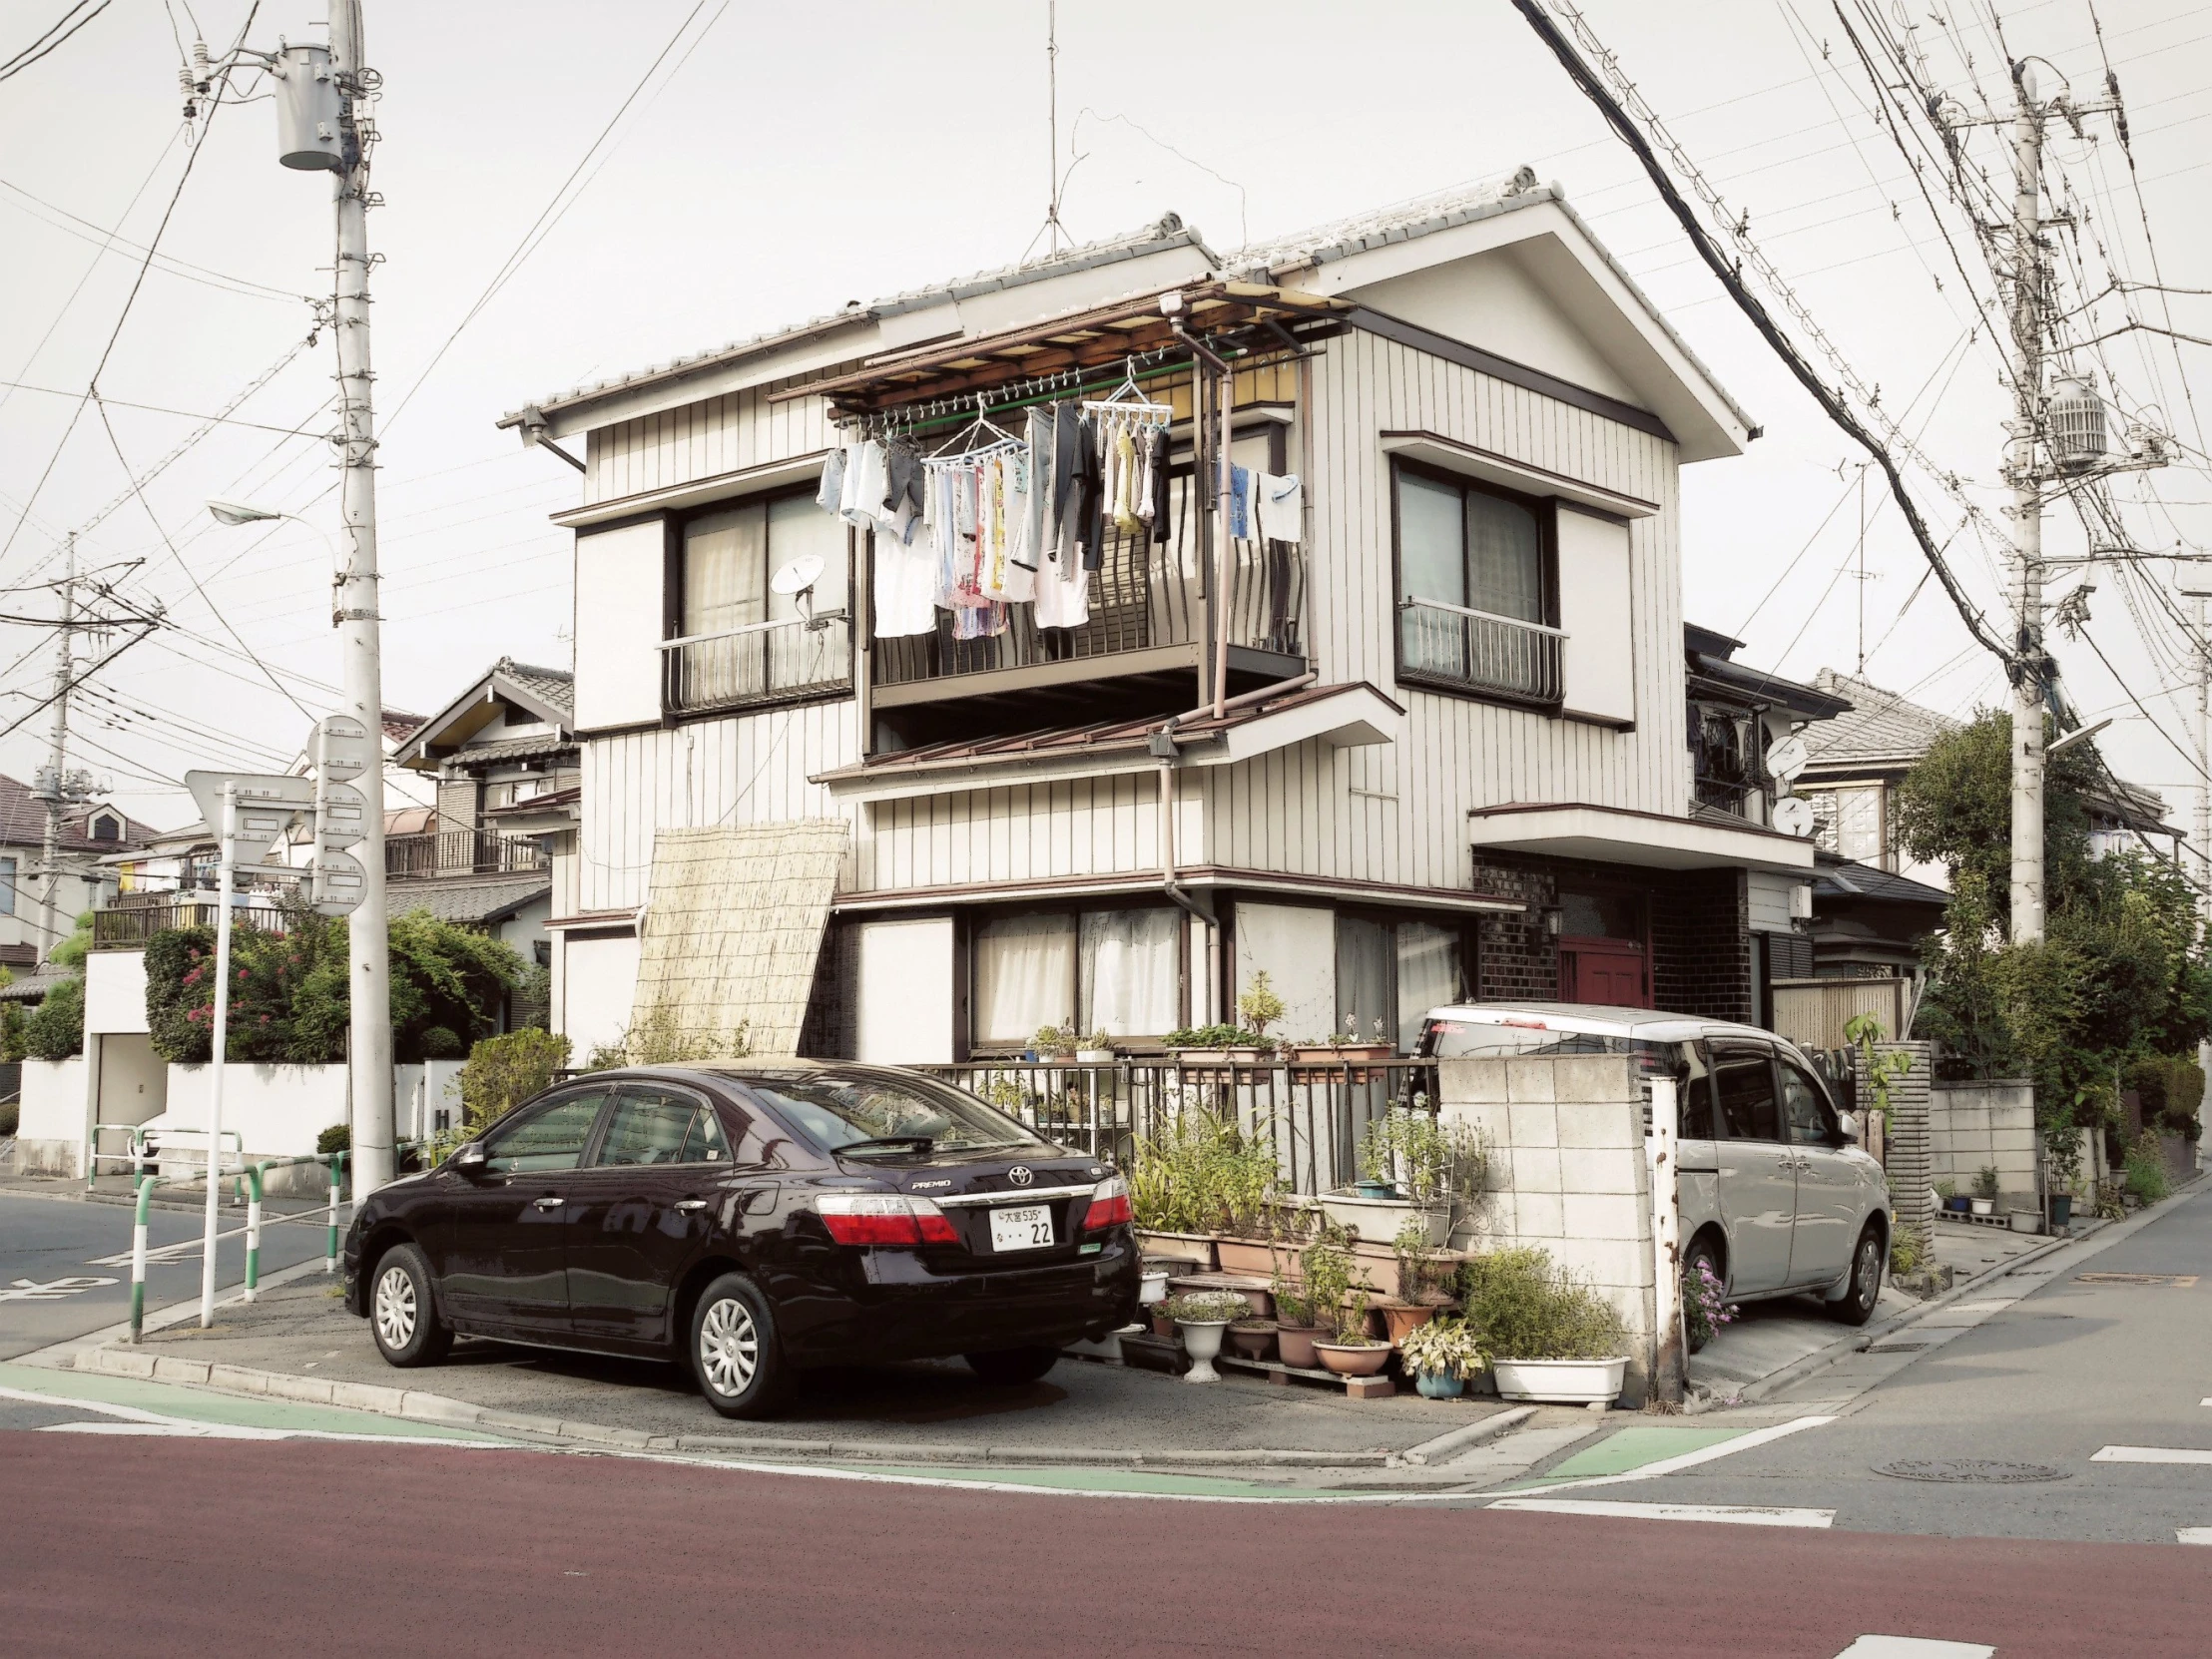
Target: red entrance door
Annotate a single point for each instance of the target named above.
(1610, 973)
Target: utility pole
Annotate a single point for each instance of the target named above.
(361, 642)
(2029, 285)
(2201, 831)
(54, 786)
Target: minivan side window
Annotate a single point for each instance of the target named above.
(1804, 1113)
(1697, 1094)
(1742, 1087)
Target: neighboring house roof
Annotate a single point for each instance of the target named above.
(23, 822)
(1840, 879)
(1709, 655)
(398, 723)
(476, 903)
(548, 693)
(1881, 730)
(31, 987)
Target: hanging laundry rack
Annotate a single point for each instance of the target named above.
(1129, 398)
(911, 418)
(980, 426)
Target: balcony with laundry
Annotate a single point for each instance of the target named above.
(1094, 564)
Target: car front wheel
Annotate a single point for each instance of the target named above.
(1856, 1307)
(733, 1350)
(401, 1312)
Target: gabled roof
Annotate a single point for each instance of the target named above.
(1880, 731)
(1709, 655)
(545, 694)
(23, 822)
(477, 902)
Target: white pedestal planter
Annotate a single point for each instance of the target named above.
(1559, 1381)
(1202, 1342)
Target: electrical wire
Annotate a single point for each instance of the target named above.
(49, 43)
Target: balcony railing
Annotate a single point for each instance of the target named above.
(1729, 795)
(1144, 595)
(762, 662)
(461, 852)
(1313, 1115)
(136, 917)
(1449, 645)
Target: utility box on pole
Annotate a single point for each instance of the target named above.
(308, 111)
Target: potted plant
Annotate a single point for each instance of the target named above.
(1218, 1045)
(1425, 1281)
(1294, 1327)
(1353, 1352)
(1260, 1007)
(1202, 1317)
(1412, 1165)
(1986, 1191)
(1323, 1055)
(1097, 1049)
(1252, 1337)
(1947, 1190)
(1443, 1354)
(1551, 1336)
(1054, 1042)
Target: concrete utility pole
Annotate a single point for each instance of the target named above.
(370, 1052)
(2029, 285)
(53, 780)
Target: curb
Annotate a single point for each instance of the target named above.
(418, 1407)
(1465, 1435)
(1858, 1340)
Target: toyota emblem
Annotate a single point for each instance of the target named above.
(1019, 1175)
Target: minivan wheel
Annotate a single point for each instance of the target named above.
(401, 1312)
(1011, 1368)
(1707, 1254)
(1856, 1307)
(733, 1349)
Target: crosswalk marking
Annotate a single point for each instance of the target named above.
(1728, 1513)
(1912, 1647)
(2193, 1535)
(2151, 1454)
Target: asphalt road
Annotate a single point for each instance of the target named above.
(370, 1550)
(57, 1280)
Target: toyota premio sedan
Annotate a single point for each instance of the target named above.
(752, 1221)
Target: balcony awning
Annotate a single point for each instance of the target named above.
(1648, 840)
(1346, 717)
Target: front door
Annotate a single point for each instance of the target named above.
(1606, 971)
(643, 1211)
(1757, 1185)
(1827, 1189)
(505, 1255)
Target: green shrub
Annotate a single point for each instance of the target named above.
(56, 1028)
(503, 1072)
(1525, 1306)
(11, 1114)
(2147, 1168)
(15, 1031)
(1202, 1174)
(660, 1037)
(339, 1137)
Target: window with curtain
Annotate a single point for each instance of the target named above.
(728, 559)
(1390, 973)
(1460, 550)
(1117, 971)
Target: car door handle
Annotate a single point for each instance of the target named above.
(548, 1203)
(691, 1204)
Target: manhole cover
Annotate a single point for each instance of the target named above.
(1897, 1348)
(2180, 1281)
(1982, 1470)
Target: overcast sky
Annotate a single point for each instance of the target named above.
(784, 160)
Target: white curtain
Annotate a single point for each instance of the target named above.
(725, 571)
(1024, 977)
(1427, 977)
(1130, 973)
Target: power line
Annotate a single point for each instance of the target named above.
(50, 42)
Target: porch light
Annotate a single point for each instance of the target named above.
(1554, 920)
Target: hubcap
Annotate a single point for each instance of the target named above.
(1870, 1271)
(396, 1311)
(728, 1347)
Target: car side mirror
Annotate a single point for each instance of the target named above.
(470, 1160)
(1850, 1124)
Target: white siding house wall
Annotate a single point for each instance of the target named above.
(701, 440)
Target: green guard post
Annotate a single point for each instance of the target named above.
(137, 1260)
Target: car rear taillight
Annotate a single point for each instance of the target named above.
(1109, 1205)
(883, 1219)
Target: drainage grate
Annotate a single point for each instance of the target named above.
(2180, 1281)
(1980, 1470)
(1897, 1348)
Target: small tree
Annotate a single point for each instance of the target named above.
(56, 1029)
(1259, 1006)
(503, 1072)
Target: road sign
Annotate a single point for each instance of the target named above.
(1788, 758)
(339, 882)
(341, 818)
(343, 747)
(268, 803)
(1792, 815)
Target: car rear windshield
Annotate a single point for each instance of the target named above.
(836, 1111)
(1464, 1039)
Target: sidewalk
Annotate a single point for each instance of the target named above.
(176, 1195)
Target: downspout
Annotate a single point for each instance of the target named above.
(1163, 746)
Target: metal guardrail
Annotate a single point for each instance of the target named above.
(462, 853)
(1454, 646)
(758, 663)
(129, 926)
(1314, 1113)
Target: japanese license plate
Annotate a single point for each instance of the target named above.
(1028, 1228)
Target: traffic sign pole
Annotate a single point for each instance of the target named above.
(216, 1067)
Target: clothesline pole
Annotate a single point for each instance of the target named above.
(1223, 545)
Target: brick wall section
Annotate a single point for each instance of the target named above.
(1909, 1148)
(1701, 944)
(1515, 961)
(461, 799)
(1567, 1173)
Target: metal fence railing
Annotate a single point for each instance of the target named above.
(129, 926)
(1314, 1114)
(462, 853)
(1455, 646)
(758, 663)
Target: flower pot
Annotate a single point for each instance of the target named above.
(2025, 1221)
(1354, 1358)
(1436, 1385)
(1202, 1342)
(1152, 1285)
(1377, 1219)
(1251, 1256)
(1241, 1055)
(1094, 1056)
(1399, 1321)
(1195, 1248)
(1559, 1381)
(1253, 1338)
(1984, 1205)
(1377, 1189)
(1958, 1206)
(1294, 1344)
(2061, 1209)
(1162, 1325)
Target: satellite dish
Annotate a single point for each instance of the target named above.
(798, 576)
(1792, 815)
(1786, 759)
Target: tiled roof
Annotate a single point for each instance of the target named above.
(33, 986)
(516, 749)
(1880, 728)
(1846, 878)
(554, 686)
(23, 822)
(398, 723)
(472, 902)
(1379, 226)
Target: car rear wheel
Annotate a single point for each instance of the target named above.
(401, 1312)
(1011, 1368)
(1857, 1304)
(733, 1350)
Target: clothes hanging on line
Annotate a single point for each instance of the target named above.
(1240, 503)
(1281, 503)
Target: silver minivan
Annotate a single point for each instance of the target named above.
(1776, 1195)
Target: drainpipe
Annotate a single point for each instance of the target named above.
(1163, 745)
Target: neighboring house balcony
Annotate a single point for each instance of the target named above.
(136, 917)
(461, 852)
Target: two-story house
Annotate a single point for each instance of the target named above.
(1401, 718)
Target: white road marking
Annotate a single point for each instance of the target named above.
(176, 1251)
(53, 1289)
(2151, 1454)
(1728, 1513)
(1688, 1460)
(1912, 1647)
(2193, 1535)
(133, 1421)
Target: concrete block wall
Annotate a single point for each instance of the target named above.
(49, 1133)
(1973, 1126)
(1908, 1146)
(1567, 1173)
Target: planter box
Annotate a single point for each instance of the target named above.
(1221, 1057)
(1321, 1064)
(1183, 1246)
(1254, 1256)
(2025, 1221)
(1376, 1220)
(1559, 1381)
